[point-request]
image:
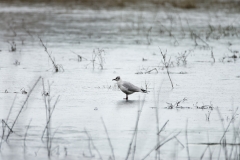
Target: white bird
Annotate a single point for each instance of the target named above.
(127, 87)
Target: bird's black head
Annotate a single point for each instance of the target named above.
(117, 78)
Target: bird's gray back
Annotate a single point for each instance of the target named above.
(131, 87)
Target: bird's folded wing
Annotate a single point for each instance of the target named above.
(131, 87)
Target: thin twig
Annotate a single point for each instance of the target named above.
(163, 127)
(89, 143)
(187, 140)
(212, 56)
(167, 141)
(233, 116)
(7, 126)
(4, 126)
(166, 65)
(25, 136)
(204, 152)
(179, 142)
(157, 154)
(151, 70)
(135, 130)
(79, 56)
(47, 52)
(140, 107)
(49, 118)
(23, 106)
(91, 140)
(45, 100)
(160, 145)
(109, 141)
(57, 67)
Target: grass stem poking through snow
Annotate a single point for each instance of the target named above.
(182, 58)
(80, 58)
(157, 153)
(149, 41)
(160, 145)
(208, 115)
(13, 46)
(166, 64)
(151, 71)
(212, 56)
(91, 141)
(57, 67)
(89, 146)
(23, 106)
(134, 136)
(163, 127)
(97, 58)
(49, 111)
(4, 123)
(25, 136)
(140, 107)
(186, 134)
(109, 141)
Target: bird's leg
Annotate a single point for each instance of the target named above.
(126, 97)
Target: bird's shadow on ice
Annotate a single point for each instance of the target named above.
(128, 103)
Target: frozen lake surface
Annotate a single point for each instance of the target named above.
(203, 48)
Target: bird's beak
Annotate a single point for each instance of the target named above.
(114, 79)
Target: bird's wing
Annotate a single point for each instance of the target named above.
(131, 87)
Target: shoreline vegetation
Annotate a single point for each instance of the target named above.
(137, 4)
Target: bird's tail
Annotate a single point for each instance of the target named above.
(144, 91)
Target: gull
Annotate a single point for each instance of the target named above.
(127, 87)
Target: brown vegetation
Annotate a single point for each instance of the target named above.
(185, 4)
